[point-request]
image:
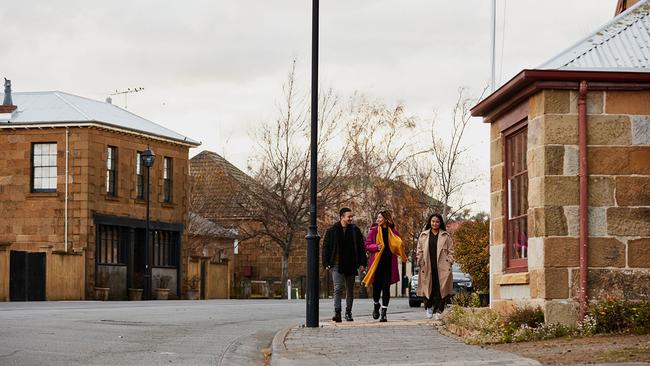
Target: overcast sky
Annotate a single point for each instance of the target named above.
(213, 70)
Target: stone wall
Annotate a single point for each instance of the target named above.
(35, 221)
(618, 125)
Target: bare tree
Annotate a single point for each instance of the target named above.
(448, 157)
(281, 207)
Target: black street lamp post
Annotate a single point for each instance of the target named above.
(313, 238)
(148, 157)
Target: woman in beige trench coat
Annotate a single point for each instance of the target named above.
(435, 255)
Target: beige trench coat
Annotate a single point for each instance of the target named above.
(445, 260)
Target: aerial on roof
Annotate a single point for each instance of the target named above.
(55, 107)
(623, 44)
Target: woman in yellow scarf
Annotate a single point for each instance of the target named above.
(384, 245)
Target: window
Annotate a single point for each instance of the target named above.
(164, 249)
(517, 199)
(139, 176)
(111, 248)
(167, 179)
(43, 167)
(111, 171)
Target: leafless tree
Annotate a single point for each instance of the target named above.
(448, 158)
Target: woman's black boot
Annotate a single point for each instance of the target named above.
(383, 315)
(337, 316)
(375, 311)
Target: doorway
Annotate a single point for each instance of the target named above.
(26, 276)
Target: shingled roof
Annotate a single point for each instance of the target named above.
(220, 189)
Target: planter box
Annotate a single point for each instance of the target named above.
(192, 294)
(101, 293)
(162, 293)
(135, 294)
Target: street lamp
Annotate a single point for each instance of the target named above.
(312, 236)
(148, 157)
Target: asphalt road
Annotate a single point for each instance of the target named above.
(214, 332)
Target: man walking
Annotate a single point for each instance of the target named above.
(343, 255)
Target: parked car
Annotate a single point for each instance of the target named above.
(414, 300)
(462, 281)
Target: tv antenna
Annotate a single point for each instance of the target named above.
(126, 92)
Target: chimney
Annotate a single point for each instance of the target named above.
(109, 100)
(7, 104)
(623, 5)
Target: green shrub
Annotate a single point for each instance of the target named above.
(617, 316)
(529, 316)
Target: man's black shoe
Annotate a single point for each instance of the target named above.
(375, 312)
(337, 317)
(348, 316)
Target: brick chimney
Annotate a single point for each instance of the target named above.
(623, 5)
(7, 104)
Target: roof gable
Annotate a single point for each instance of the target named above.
(623, 44)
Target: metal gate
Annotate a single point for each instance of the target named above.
(27, 276)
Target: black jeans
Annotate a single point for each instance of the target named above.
(381, 290)
(436, 303)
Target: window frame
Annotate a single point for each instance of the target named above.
(139, 176)
(33, 168)
(112, 249)
(168, 174)
(111, 191)
(165, 247)
(515, 264)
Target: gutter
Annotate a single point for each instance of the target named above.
(584, 190)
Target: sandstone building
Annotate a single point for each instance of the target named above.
(570, 174)
(72, 197)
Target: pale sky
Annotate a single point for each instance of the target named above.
(213, 70)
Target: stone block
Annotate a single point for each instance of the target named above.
(561, 311)
(609, 130)
(535, 136)
(496, 178)
(496, 231)
(633, 191)
(595, 101)
(627, 102)
(601, 191)
(495, 132)
(535, 253)
(536, 105)
(547, 221)
(536, 283)
(535, 162)
(515, 292)
(561, 191)
(570, 161)
(556, 101)
(597, 224)
(556, 283)
(625, 284)
(496, 204)
(627, 221)
(560, 129)
(606, 252)
(496, 151)
(553, 160)
(638, 253)
(536, 192)
(640, 130)
(561, 252)
(497, 258)
(619, 160)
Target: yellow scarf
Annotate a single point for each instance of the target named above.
(396, 246)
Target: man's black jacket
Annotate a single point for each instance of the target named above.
(349, 249)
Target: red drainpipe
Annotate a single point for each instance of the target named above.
(583, 174)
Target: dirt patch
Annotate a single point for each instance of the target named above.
(589, 350)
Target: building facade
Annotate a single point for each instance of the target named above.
(570, 175)
(73, 193)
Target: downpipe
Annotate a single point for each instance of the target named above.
(583, 176)
(65, 205)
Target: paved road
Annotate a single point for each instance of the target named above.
(213, 332)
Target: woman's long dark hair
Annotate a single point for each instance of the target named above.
(387, 217)
(442, 222)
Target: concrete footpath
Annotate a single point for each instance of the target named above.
(406, 339)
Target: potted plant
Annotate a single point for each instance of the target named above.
(135, 292)
(162, 291)
(192, 284)
(102, 290)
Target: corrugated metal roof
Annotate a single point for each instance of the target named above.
(623, 44)
(59, 107)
